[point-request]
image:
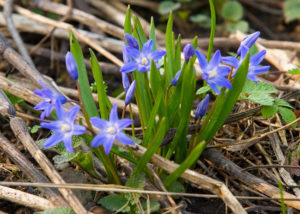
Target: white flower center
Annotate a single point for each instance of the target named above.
(212, 73)
(65, 127)
(144, 61)
(48, 100)
(111, 130)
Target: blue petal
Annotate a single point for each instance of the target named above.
(99, 139)
(223, 70)
(71, 115)
(230, 60)
(157, 55)
(244, 51)
(78, 129)
(214, 61)
(142, 68)
(147, 47)
(248, 41)
(124, 123)
(258, 57)
(55, 125)
(130, 93)
(60, 112)
(202, 60)
(99, 123)
(54, 139)
(43, 114)
(108, 144)
(131, 41)
(258, 69)
(68, 143)
(133, 52)
(214, 87)
(122, 138)
(221, 81)
(41, 105)
(129, 67)
(252, 78)
(61, 98)
(113, 116)
(125, 82)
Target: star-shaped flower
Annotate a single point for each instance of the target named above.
(64, 128)
(48, 103)
(140, 59)
(248, 41)
(111, 130)
(254, 67)
(212, 72)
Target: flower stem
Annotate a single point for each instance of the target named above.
(131, 117)
(167, 94)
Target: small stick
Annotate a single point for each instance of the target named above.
(14, 33)
(26, 199)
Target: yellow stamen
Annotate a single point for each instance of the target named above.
(212, 73)
(144, 61)
(111, 130)
(65, 127)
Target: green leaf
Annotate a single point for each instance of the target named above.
(86, 95)
(269, 111)
(85, 161)
(288, 116)
(251, 87)
(58, 210)
(291, 9)
(64, 157)
(114, 202)
(170, 48)
(76, 141)
(232, 10)
(101, 91)
(176, 187)
(166, 7)
(139, 31)
(295, 71)
(40, 143)
(242, 26)
(260, 99)
(202, 19)
(281, 102)
(203, 90)
(127, 23)
(136, 181)
(13, 99)
(154, 206)
(34, 129)
(152, 33)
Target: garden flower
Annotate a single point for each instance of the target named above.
(141, 59)
(212, 72)
(248, 41)
(201, 108)
(131, 41)
(130, 93)
(188, 52)
(71, 66)
(254, 67)
(111, 130)
(49, 101)
(64, 128)
(176, 78)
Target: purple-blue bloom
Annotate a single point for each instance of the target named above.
(64, 128)
(125, 82)
(141, 59)
(131, 41)
(248, 41)
(50, 98)
(188, 52)
(176, 78)
(254, 67)
(212, 72)
(130, 93)
(111, 130)
(201, 108)
(71, 66)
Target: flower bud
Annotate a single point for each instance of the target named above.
(248, 41)
(125, 82)
(130, 93)
(71, 66)
(131, 41)
(201, 108)
(188, 52)
(176, 78)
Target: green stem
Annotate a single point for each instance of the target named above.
(212, 29)
(131, 117)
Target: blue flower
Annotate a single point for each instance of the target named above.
(212, 72)
(188, 52)
(130, 93)
(141, 59)
(248, 41)
(64, 128)
(125, 82)
(131, 41)
(111, 130)
(48, 103)
(254, 67)
(176, 78)
(201, 108)
(71, 66)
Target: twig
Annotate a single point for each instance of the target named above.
(25, 199)
(229, 167)
(270, 166)
(14, 33)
